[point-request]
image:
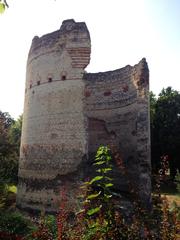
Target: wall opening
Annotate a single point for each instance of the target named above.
(38, 82)
(49, 79)
(63, 77)
(107, 93)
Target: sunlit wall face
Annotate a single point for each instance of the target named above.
(126, 30)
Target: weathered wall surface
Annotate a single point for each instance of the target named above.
(54, 136)
(68, 114)
(117, 111)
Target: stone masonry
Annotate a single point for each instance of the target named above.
(69, 113)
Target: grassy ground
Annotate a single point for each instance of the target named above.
(173, 198)
(169, 190)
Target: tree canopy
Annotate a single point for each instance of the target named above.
(165, 128)
(3, 5)
(10, 133)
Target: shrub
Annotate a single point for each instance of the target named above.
(103, 221)
(177, 179)
(99, 219)
(14, 223)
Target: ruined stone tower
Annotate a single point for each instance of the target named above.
(69, 113)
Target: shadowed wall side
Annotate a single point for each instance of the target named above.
(68, 114)
(118, 113)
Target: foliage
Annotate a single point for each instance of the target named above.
(5, 123)
(15, 134)
(165, 128)
(52, 227)
(97, 200)
(14, 223)
(99, 222)
(99, 219)
(14, 226)
(164, 218)
(99, 186)
(177, 179)
(9, 169)
(46, 229)
(10, 132)
(7, 196)
(51, 223)
(152, 98)
(11, 224)
(12, 189)
(3, 195)
(3, 5)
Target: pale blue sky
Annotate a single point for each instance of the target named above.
(122, 32)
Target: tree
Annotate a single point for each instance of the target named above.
(154, 142)
(165, 128)
(5, 122)
(3, 5)
(10, 132)
(153, 101)
(15, 134)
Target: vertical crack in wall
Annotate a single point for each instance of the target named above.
(68, 113)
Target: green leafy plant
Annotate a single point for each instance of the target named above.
(10, 132)
(103, 221)
(14, 223)
(98, 195)
(99, 186)
(45, 230)
(177, 179)
(99, 219)
(3, 5)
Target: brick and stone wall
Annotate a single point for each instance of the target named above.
(68, 114)
(54, 136)
(117, 110)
